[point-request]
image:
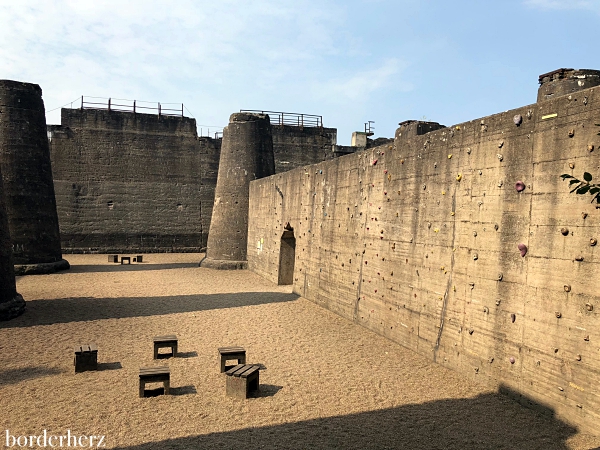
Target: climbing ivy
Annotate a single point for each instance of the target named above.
(584, 186)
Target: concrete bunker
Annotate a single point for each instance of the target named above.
(287, 256)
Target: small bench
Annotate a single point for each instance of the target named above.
(155, 375)
(241, 380)
(86, 358)
(231, 353)
(113, 258)
(169, 341)
(125, 258)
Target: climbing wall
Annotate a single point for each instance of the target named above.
(462, 244)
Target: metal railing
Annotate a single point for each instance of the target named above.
(293, 119)
(123, 105)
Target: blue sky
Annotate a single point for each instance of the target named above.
(350, 61)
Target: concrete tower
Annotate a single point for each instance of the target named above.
(565, 81)
(11, 303)
(27, 178)
(246, 155)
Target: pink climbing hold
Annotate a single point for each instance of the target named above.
(522, 249)
(512, 360)
(374, 162)
(520, 186)
(385, 171)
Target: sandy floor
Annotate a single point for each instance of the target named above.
(327, 384)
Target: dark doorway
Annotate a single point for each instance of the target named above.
(287, 257)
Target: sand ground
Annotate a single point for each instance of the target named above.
(327, 382)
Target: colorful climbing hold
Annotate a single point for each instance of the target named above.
(512, 360)
(564, 231)
(522, 249)
(459, 177)
(520, 186)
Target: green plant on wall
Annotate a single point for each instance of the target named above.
(584, 186)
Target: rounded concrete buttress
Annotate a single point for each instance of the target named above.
(11, 303)
(27, 177)
(246, 155)
(566, 81)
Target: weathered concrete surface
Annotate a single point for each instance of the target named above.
(27, 177)
(11, 303)
(418, 241)
(566, 81)
(247, 155)
(130, 182)
(298, 146)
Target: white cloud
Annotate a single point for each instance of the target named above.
(363, 83)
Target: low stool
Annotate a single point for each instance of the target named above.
(86, 358)
(241, 380)
(231, 353)
(169, 341)
(155, 375)
(125, 258)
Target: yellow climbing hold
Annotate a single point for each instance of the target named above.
(443, 192)
(458, 127)
(450, 156)
(459, 177)
(437, 230)
(452, 213)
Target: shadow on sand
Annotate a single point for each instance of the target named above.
(13, 376)
(488, 421)
(77, 309)
(91, 268)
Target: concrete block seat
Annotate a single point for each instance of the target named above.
(241, 380)
(169, 341)
(154, 375)
(231, 353)
(86, 358)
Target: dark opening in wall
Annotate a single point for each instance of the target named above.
(287, 257)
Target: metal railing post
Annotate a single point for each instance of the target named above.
(109, 104)
(182, 110)
(82, 102)
(134, 106)
(159, 110)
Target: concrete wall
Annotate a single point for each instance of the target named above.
(297, 146)
(129, 182)
(132, 182)
(418, 241)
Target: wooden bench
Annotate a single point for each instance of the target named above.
(125, 258)
(231, 353)
(155, 375)
(241, 380)
(86, 358)
(169, 341)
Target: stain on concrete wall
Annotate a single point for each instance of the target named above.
(422, 242)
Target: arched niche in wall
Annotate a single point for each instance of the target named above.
(287, 256)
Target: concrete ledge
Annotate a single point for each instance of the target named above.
(41, 268)
(12, 308)
(222, 264)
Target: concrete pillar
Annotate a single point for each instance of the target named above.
(27, 178)
(246, 155)
(11, 303)
(566, 81)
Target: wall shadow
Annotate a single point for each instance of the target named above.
(77, 309)
(13, 376)
(488, 421)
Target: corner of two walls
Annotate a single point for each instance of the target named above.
(419, 242)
